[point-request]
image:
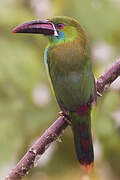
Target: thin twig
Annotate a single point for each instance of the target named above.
(54, 131)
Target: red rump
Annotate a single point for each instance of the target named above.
(84, 142)
(83, 109)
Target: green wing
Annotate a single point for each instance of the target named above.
(72, 84)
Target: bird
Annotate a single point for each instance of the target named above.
(68, 63)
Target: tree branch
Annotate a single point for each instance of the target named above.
(105, 80)
(54, 131)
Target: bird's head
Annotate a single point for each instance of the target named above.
(57, 29)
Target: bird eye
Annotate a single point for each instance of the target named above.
(60, 26)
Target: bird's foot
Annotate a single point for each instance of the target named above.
(66, 116)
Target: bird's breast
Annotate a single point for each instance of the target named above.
(70, 74)
(66, 56)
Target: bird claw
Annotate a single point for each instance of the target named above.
(66, 116)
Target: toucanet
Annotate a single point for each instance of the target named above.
(69, 66)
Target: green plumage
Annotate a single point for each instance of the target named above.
(69, 67)
(71, 76)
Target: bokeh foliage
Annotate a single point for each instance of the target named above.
(23, 79)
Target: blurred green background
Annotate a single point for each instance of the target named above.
(27, 106)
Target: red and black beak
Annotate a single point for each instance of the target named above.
(44, 27)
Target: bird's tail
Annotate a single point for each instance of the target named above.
(81, 126)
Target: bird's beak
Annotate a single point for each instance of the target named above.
(44, 27)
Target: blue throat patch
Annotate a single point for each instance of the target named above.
(61, 35)
(57, 39)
